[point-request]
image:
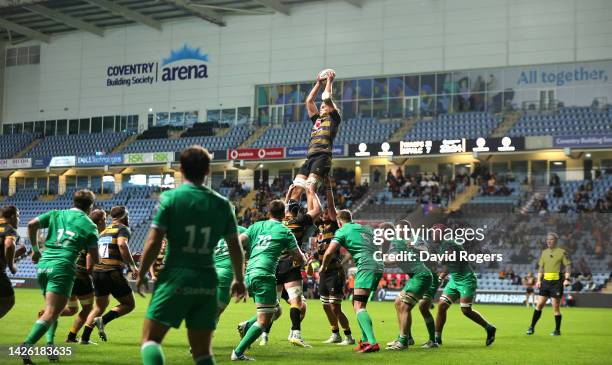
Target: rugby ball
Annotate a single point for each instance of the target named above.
(323, 74)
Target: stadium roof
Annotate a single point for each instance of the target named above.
(22, 20)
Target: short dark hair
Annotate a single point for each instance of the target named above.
(97, 216)
(195, 162)
(345, 216)
(83, 199)
(9, 211)
(118, 212)
(277, 209)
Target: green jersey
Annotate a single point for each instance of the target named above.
(456, 266)
(268, 239)
(223, 260)
(194, 218)
(69, 232)
(411, 262)
(358, 240)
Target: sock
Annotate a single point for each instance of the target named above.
(335, 330)
(249, 323)
(431, 328)
(347, 332)
(558, 323)
(152, 353)
(409, 334)
(253, 333)
(109, 316)
(205, 360)
(86, 333)
(51, 332)
(366, 324)
(72, 335)
(38, 330)
(536, 316)
(294, 314)
(403, 340)
(438, 337)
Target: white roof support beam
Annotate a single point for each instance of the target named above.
(66, 19)
(28, 32)
(200, 11)
(275, 5)
(127, 13)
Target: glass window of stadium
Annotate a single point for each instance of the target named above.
(84, 126)
(62, 127)
(73, 126)
(108, 124)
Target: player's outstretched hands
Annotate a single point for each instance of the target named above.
(238, 290)
(142, 282)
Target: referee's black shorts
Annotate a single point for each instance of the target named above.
(551, 288)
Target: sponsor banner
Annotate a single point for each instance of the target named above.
(483, 296)
(16, 163)
(592, 141)
(41, 162)
(24, 283)
(431, 147)
(303, 151)
(148, 158)
(256, 153)
(63, 161)
(101, 160)
(216, 155)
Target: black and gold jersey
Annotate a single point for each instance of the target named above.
(110, 256)
(327, 229)
(298, 226)
(6, 230)
(323, 132)
(81, 264)
(158, 264)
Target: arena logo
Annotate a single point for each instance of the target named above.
(185, 63)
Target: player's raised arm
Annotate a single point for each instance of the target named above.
(331, 205)
(298, 256)
(328, 92)
(310, 100)
(331, 249)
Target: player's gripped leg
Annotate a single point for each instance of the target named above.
(125, 306)
(294, 289)
(153, 334)
(71, 308)
(81, 318)
(299, 186)
(360, 300)
(424, 306)
(466, 309)
(445, 303)
(201, 347)
(336, 306)
(101, 303)
(537, 313)
(265, 312)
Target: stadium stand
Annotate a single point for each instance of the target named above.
(579, 195)
(292, 134)
(78, 144)
(12, 144)
(458, 125)
(232, 139)
(567, 121)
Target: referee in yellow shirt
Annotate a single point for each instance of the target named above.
(551, 286)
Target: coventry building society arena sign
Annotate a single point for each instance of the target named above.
(185, 63)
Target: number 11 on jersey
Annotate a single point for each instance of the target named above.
(190, 248)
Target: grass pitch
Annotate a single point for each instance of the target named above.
(586, 339)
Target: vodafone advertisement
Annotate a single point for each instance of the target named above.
(256, 153)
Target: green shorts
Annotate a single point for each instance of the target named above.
(225, 278)
(56, 277)
(418, 284)
(185, 294)
(367, 279)
(262, 289)
(433, 288)
(461, 286)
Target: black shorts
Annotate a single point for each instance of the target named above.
(331, 283)
(319, 163)
(530, 290)
(110, 282)
(286, 272)
(82, 285)
(6, 287)
(551, 289)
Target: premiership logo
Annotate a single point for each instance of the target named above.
(185, 63)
